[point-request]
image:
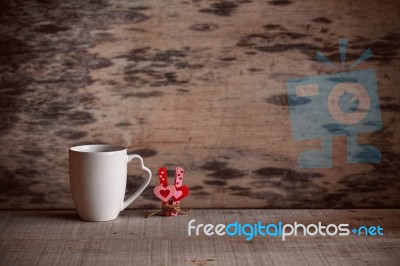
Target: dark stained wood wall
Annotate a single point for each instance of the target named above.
(200, 84)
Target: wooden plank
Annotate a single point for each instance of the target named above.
(59, 237)
(199, 84)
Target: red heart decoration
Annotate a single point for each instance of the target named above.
(162, 174)
(164, 193)
(180, 193)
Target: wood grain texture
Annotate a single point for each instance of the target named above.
(199, 84)
(60, 238)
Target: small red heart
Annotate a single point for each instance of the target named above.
(181, 192)
(164, 193)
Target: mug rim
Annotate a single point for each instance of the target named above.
(97, 148)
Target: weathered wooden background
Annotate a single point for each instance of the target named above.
(200, 84)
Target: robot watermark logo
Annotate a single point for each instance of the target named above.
(325, 106)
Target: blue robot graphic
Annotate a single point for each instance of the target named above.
(325, 106)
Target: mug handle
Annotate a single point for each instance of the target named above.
(132, 197)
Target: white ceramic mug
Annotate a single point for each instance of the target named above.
(98, 175)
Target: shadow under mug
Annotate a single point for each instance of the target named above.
(98, 175)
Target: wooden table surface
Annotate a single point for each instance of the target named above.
(59, 237)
